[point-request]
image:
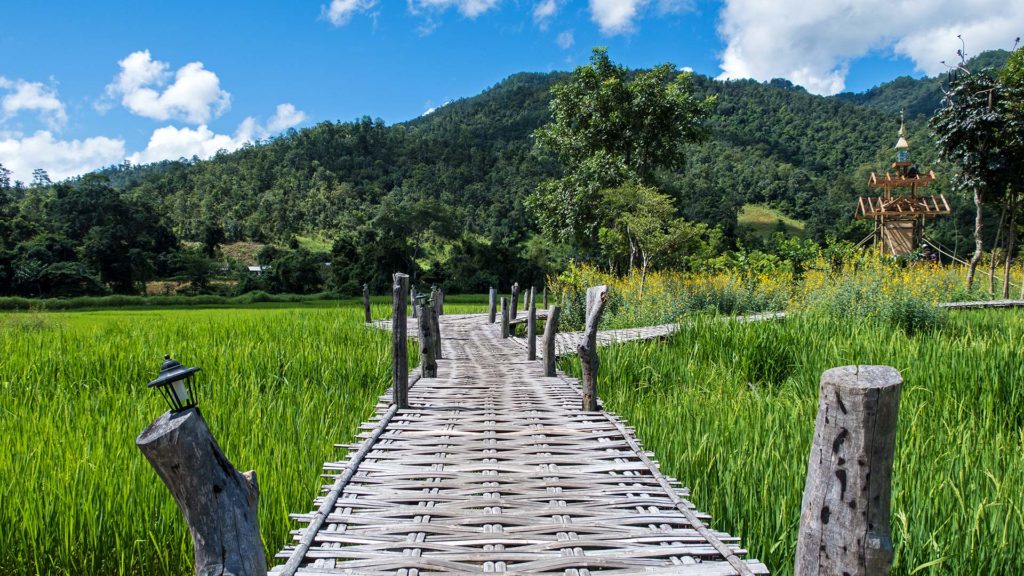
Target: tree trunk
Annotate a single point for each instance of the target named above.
(428, 359)
(366, 303)
(491, 297)
(218, 502)
(844, 517)
(399, 344)
(992, 260)
(978, 222)
(587, 348)
(1011, 241)
(514, 304)
(548, 342)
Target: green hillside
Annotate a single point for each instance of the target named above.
(442, 195)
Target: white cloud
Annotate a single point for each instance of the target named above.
(615, 16)
(812, 43)
(60, 158)
(432, 109)
(565, 40)
(339, 12)
(675, 6)
(171, 143)
(195, 96)
(32, 97)
(544, 11)
(468, 8)
(285, 117)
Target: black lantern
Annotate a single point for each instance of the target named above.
(175, 383)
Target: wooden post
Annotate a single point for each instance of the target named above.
(531, 330)
(413, 296)
(548, 342)
(545, 297)
(217, 501)
(844, 519)
(399, 351)
(435, 327)
(588, 346)
(439, 303)
(366, 303)
(514, 304)
(428, 358)
(504, 317)
(491, 297)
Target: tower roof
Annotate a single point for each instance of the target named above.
(902, 144)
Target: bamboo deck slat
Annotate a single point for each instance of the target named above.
(495, 468)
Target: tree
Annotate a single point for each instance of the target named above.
(967, 129)
(645, 227)
(40, 178)
(609, 127)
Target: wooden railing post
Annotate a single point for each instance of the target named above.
(504, 317)
(399, 350)
(491, 297)
(414, 298)
(545, 297)
(218, 502)
(548, 342)
(366, 303)
(428, 349)
(439, 303)
(435, 328)
(844, 518)
(597, 297)
(531, 329)
(514, 304)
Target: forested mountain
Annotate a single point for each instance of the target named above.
(442, 195)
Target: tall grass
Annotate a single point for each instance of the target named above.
(278, 387)
(729, 408)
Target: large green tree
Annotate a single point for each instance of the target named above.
(610, 126)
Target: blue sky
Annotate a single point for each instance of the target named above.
(88, 84)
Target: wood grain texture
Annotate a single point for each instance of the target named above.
(491, 304)
(399, 338)
(514, 302)
(844, 518)
(597, 298)
(548, 342)
(218, 502)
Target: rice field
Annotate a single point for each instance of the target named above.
(729, 408)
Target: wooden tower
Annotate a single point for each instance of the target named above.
(899, 213)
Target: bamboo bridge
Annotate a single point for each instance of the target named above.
(494, 467)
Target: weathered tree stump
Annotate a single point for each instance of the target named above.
(399, 343)
(514, 304)
(366, 303)
(548, 341)
(428, 349)
(218, 502)
(597, 297)
(531, 329)
(504, 317)
(844, 519)
(491, 302)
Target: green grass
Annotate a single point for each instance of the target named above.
(763, 221)
(279, 386)
(729, 409)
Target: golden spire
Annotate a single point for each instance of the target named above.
(902, 144)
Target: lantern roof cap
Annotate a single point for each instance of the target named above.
(172, 371)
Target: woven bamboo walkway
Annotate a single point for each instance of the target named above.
(494, 468)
